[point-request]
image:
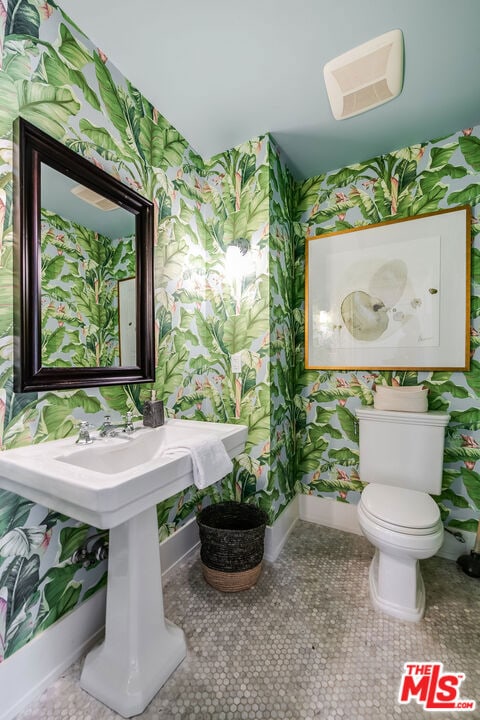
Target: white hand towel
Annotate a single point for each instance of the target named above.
(210, 460)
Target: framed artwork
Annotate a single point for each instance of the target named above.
(390, 296)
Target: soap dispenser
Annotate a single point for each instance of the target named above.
(153, 412)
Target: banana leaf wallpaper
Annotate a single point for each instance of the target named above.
(411, 181)
(229, 245)
(205, 211)
(80, 271)
(282, 330)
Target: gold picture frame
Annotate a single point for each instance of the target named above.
(394, 295)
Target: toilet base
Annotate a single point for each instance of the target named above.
(407, 576)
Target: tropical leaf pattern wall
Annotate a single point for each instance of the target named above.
(418, 179)
(221, 307)
(282, 331)
(229, 235)
(80, 273)
(53, 76)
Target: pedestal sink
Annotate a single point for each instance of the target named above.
(116, 484)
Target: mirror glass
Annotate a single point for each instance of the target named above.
(85, 266)
(87, 247)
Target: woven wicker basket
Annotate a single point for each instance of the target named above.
(232, 542)
(231, 581)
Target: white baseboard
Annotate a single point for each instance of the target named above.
(277, 534)
(343, 516)
(29, 671)
(452, 548)
(328, 512)
(177, 546)
(25, 674)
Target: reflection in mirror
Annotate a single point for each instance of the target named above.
(83, 239)
(126, 320)
(86, 250)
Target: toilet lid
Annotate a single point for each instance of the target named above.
(405, 509)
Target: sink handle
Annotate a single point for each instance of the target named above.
(107, 428)
(128, 418)
(84, 437)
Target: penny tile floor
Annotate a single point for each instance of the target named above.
(304, 644)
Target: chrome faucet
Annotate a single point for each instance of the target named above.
(128, 426)
(107, 429)
(84, 437)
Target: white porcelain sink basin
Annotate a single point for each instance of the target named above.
(116, 483)
(127, 452)
(113, 479)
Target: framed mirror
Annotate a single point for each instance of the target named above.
(81, 236)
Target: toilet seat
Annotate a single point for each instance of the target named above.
(400, 510)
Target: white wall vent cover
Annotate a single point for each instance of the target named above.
(93, 198)
(366, 76)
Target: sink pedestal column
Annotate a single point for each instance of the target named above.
(141, 648)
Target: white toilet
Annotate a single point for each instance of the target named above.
(401, 457)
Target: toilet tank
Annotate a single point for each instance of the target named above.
(402, 448)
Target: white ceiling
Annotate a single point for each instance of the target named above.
(223, 72)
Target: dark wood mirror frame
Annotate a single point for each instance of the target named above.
(32, 148)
